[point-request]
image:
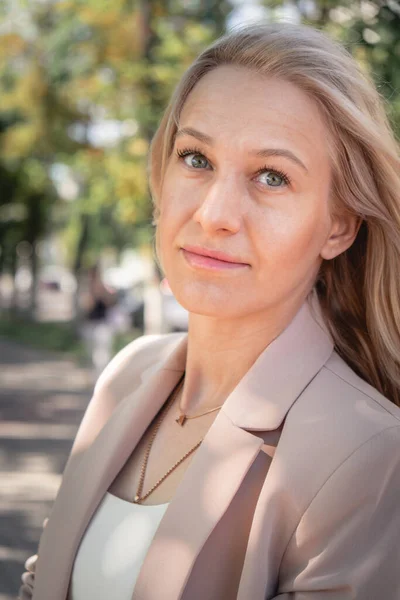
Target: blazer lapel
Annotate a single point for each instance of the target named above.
(205, 492)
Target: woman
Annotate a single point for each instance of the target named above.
(256, 457)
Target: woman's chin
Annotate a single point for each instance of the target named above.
(219, 306)
(206, 309)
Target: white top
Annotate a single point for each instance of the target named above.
(113, 548)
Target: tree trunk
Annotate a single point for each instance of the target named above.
(34, 264)
(78, 264)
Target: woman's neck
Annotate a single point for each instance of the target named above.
(220, 352)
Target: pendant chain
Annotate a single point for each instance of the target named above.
(181, 420)
(183, 417)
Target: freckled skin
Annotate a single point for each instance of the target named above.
(282, 232)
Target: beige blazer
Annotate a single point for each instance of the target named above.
(294, 493)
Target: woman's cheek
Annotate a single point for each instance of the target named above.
(292, 243)
(177, 202)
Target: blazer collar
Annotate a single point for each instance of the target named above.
(260, 402)
(263, 397)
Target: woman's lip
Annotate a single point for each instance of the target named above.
(215, 254)
(208, 262)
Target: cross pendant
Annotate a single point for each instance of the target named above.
(181, 420)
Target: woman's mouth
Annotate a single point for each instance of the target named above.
(203, 258)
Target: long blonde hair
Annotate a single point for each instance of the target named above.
(359, 290)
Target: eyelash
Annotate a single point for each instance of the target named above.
(284, 176)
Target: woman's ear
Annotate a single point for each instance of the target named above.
(344, 229)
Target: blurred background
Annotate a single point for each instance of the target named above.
(83, 85)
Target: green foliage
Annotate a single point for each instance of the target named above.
(54, 337)
(89, 66)
(380, 39)
(371, 32)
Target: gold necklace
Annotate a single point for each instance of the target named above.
(183, 417)
(138, 496)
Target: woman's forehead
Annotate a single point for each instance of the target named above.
(237, 103)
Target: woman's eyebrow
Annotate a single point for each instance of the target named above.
(263, 153)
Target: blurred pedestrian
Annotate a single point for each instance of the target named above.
(98, 326)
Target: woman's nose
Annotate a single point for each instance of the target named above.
(221, 206)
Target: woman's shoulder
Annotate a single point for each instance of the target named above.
(132, 361)
(339, 421)
(123, 373)
(356, 390)
(338, 395)
(337, 414)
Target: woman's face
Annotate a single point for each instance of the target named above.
(249, 177)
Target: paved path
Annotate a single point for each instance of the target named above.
(42, 400)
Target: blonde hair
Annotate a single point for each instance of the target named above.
(359, 290)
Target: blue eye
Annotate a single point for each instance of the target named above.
(274, 178)
(198, 161)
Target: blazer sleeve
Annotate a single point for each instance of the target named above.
(347, 543)
(122, 370)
